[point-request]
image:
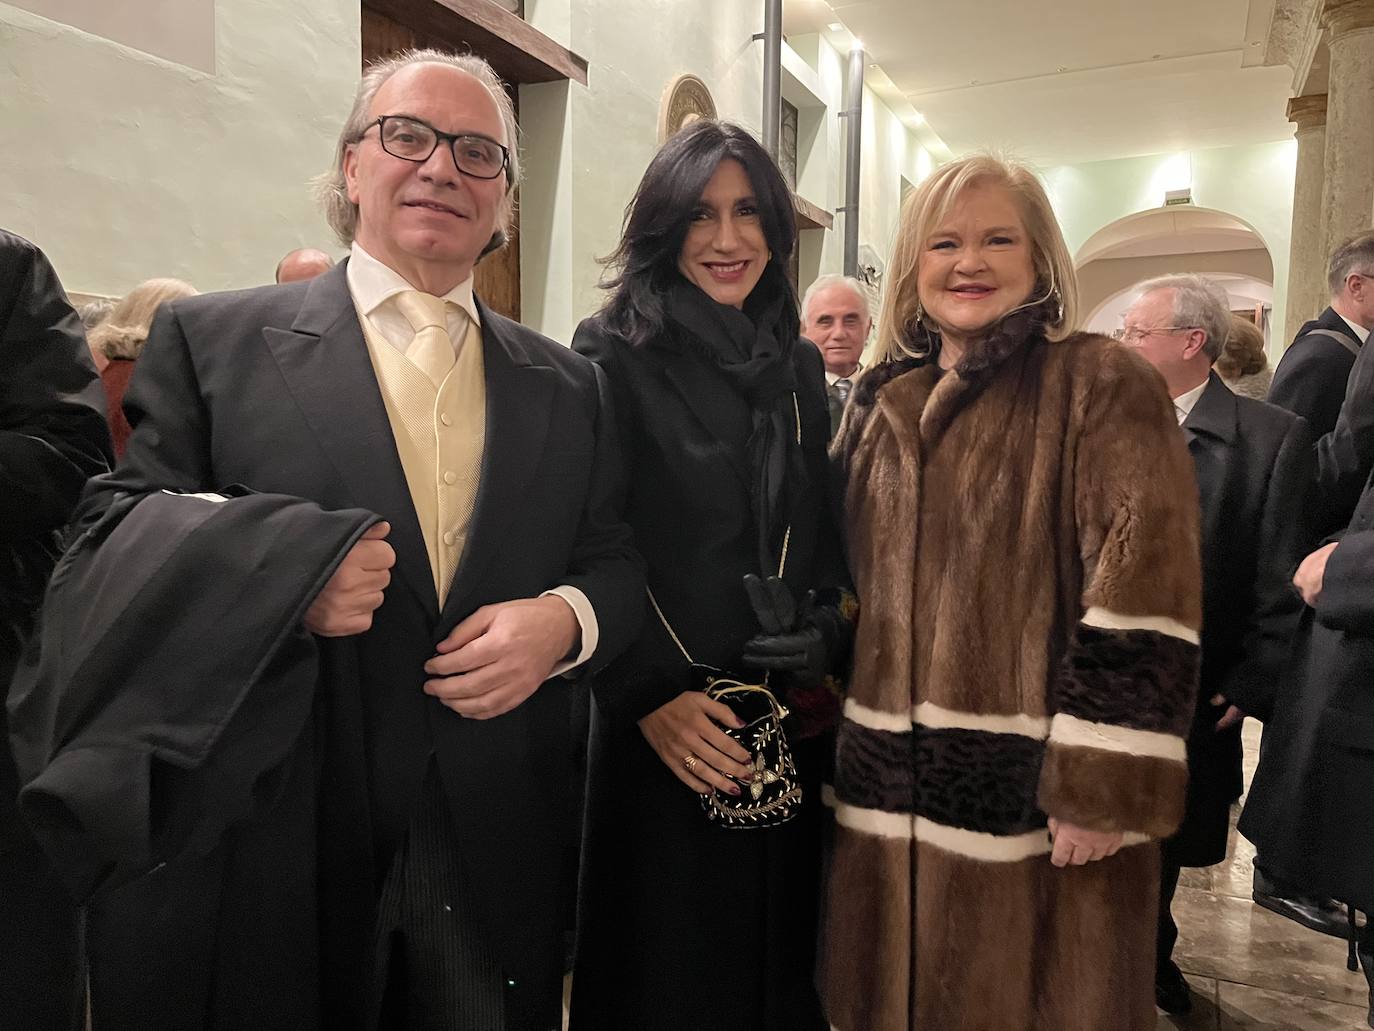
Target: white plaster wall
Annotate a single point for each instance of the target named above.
(124, 166)
(586, 148)
(1254, 183)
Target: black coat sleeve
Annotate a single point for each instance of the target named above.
(651, 672)
(53, 434)
(604, 563)
(1284, 537)
(1345, 456)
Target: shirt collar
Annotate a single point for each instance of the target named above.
(373, 284)
(832, 378)
(1361, 334)
(1183, 404)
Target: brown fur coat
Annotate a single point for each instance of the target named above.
(1024, 539)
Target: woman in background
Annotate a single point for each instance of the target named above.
(120, 337)
(1243, 365)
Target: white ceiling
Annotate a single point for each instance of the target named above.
(1071, 80)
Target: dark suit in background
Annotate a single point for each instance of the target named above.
(1254, 467)
(274, 389)
(52, 437)
(1310, 380)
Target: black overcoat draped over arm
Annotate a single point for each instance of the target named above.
(273, 388)
(1254, 464)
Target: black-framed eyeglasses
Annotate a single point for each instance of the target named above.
(413, 140)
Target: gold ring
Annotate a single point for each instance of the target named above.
(690, 761)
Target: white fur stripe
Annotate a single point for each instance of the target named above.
(936, 717)
(876, 719)
(1106, 619)
(985, 848)
(928, 714)
(873, 822)
(1070, 730)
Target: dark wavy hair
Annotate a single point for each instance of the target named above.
(643, 267)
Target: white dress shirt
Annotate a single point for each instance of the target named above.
(374, 287)
(1361, 334)
(831, 378)
(1183, 404)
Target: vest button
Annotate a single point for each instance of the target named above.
(445, 418)
(450, 478)
(448, 538)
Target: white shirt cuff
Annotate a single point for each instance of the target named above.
(586, 619)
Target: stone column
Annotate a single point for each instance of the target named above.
(1348, 196)
(1306, 257)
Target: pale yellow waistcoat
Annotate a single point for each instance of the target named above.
(440, 436)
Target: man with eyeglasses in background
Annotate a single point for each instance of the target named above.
(404, 866)
(1311, 378)
(1254, 465)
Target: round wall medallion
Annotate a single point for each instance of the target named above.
(684, 101)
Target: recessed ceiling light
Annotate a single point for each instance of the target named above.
(835, 26)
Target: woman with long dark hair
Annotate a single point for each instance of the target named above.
(699, 893)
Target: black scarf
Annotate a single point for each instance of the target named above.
(752, 349)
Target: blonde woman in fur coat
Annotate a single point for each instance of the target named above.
(1023, 532)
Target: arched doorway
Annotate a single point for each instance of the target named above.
(1168, 240)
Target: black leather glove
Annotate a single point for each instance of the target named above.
(796, 638)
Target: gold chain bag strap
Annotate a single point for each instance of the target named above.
(773, 796)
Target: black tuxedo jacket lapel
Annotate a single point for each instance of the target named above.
(1211, 429)
(324, 360)
(519, 397)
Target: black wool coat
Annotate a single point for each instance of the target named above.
(1308, 810)
(663, 890)
(1254, 467)
(273, 388)
(1310, 378)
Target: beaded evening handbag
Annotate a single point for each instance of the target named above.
(773, 796)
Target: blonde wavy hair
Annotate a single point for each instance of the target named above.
(899, 335)
(125, 330)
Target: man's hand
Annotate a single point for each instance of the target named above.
(1230, 717)
(1308, 578)
(355, 591)
(499, 655)
(1078, 846)
(694, 749)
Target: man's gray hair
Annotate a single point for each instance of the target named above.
(835, 279)
(1198, 302)
(331, 189)
(1355, 254)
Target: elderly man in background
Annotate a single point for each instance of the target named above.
(375, 838)
(302, 264)
(52, 437)
(1254, 465)
(835, 317)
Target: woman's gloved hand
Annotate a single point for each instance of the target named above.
(797, 639)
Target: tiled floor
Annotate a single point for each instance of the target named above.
(1249, 968)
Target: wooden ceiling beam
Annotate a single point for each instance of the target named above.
(516, 49)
